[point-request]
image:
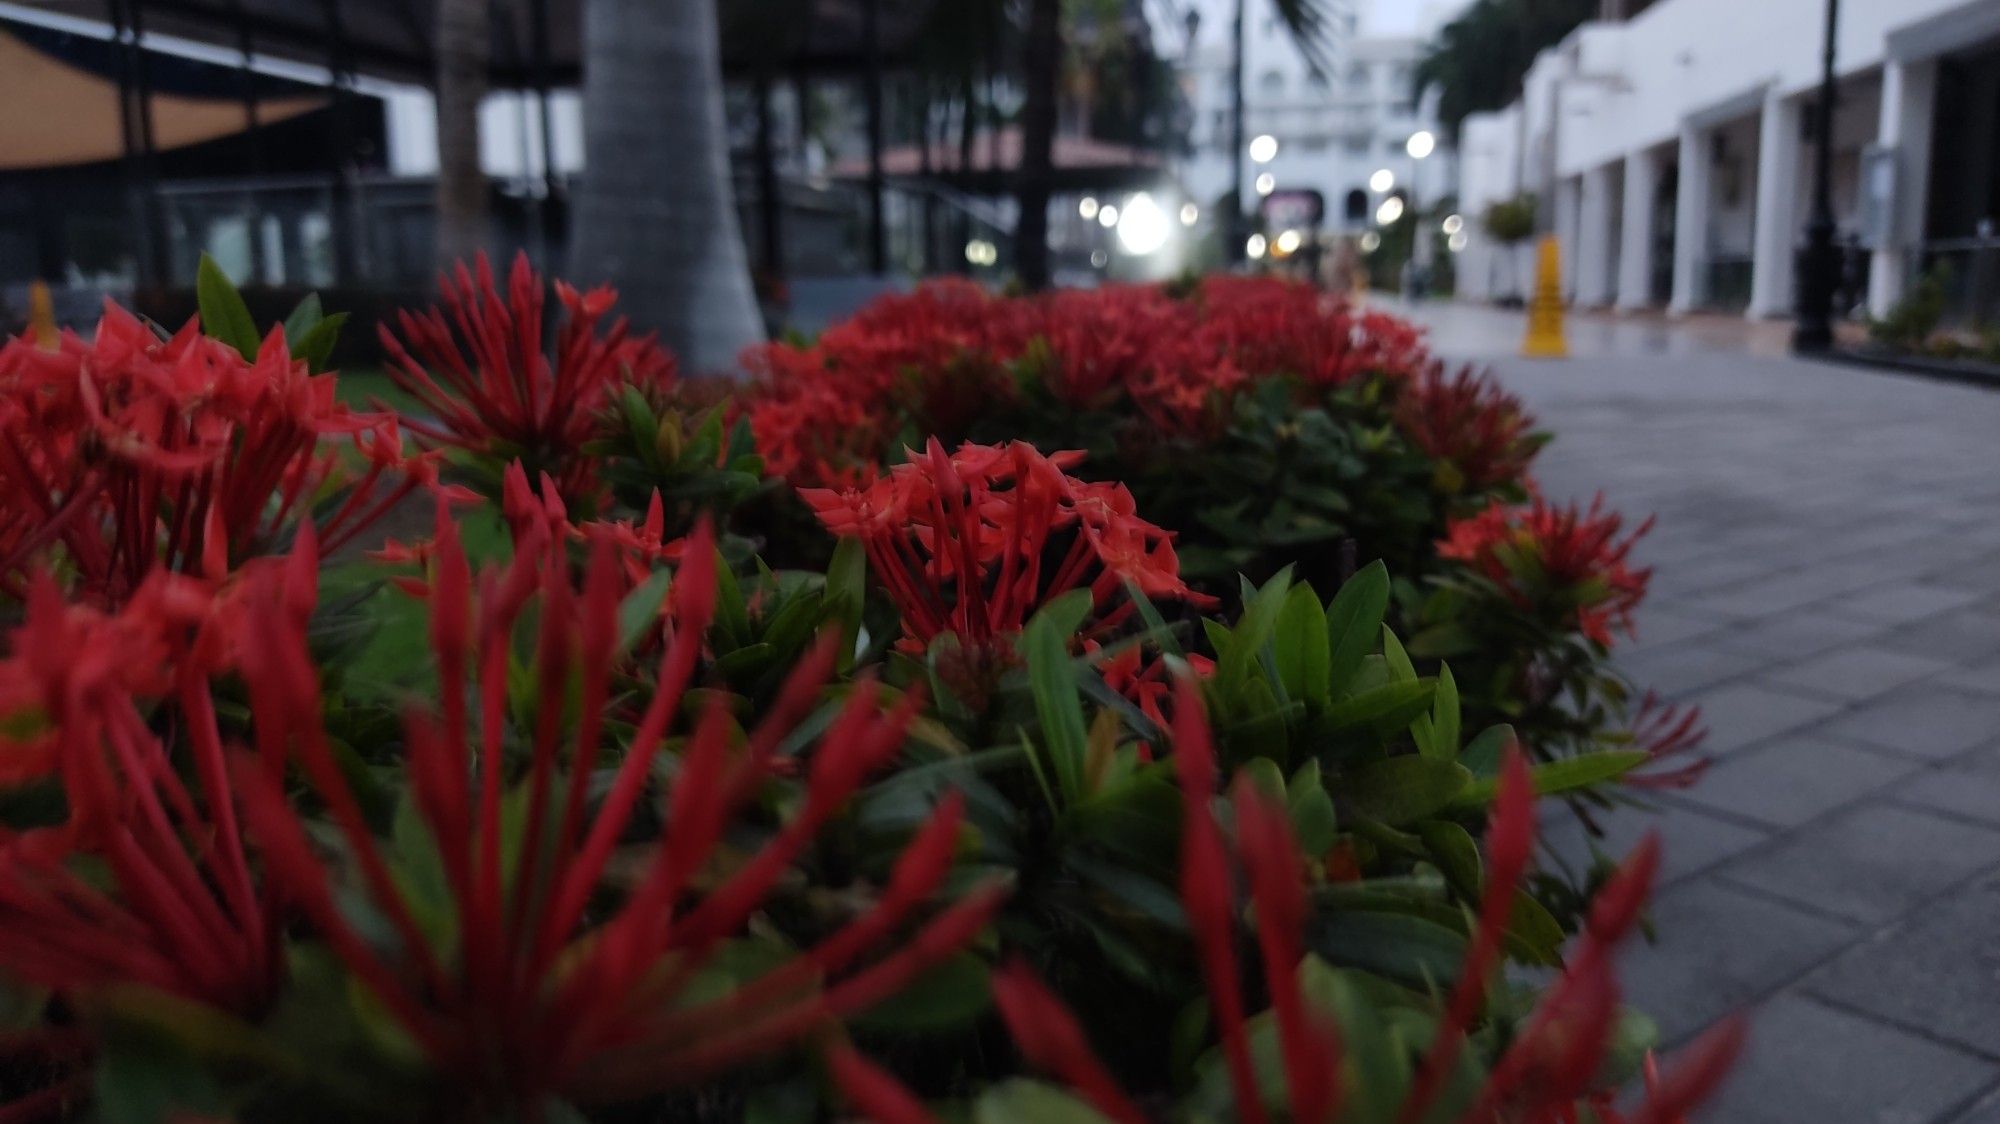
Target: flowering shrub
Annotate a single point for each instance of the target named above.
(995, 815)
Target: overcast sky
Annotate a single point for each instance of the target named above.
(1407, 17)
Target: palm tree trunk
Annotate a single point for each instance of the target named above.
(656, 212)
(1041, 67)
(464, 39)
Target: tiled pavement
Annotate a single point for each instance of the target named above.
(1827, 588)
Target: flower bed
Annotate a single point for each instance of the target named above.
(981, 794)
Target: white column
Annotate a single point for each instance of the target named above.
(1594, 240)
(1778, 169)
(1635, 241)
(1909, 94)
(1565, 220)
(1691, 222)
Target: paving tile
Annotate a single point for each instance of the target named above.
(1987, 1111)
(1719, 949)
(1691, 840)
(1794, 779)
(1939, 971)
(1808, 1063)
(1901, 603)
(1963, 636)
(1794, 636)
(1979, 677)
(1923, 720)
(1968, 785)
(1743, 714)
(1675, 670)
(1659, 627)
(1859, 672)
(1870, 863)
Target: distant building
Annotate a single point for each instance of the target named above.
(1672, 152)
(1336, 127)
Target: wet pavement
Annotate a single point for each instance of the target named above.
(1827, 588)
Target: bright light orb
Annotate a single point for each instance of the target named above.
(1255, 247)
(1266, 183)
(1289, 242)
(1107, 216)
(1087, 206)
(1390, 210)
(1099, 258)
(1381, 181)
(1457, 242)
(1453, 224)
(1142, 226)
(1189, 213)
(1371, 242)
(981, 252)
(1421, 144)
(1264, 149)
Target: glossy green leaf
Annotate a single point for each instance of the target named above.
(1354, 622)
(224, 316)
(1300, 647)
(315, 347)
(1404, 789)
(949, 995)
(1391, 706)
(1053, 679)
(1567, 775)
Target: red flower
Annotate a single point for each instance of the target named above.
(1664, 730)
(1271, 328)
(1471, 424)
(479, 369)
(1569, 561)
(966, 544)
(131, 454)
(541, 988)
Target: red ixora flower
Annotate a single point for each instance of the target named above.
(1547, 1070)
(1471, 423)
(1573, 561)
(479, 369)
(130, 453)
(972, 543)
(543, 988)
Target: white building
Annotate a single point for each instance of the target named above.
(1672, 150)
(1334, 129)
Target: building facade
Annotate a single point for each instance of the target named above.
(1335, 127)
(1672, 153)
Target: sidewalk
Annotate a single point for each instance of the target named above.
(1827, 589)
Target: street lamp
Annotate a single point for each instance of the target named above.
(1421, 144)
(1381, 181)
(1819, 261)
(1264, 149)
(1266, 183)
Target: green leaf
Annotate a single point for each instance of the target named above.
(1445, 714)
(847, 593)
(1354, 621)
(1300, 643)
(1483, 755)
(641, 609)
(1053, 679)
(1314, 821)
(1405, 789)
(224, 316)
(1567, 775)
(949, 995)
(1402, 946)
(316, 346)
(1066, 613)
(1390, 706)
(1400, 667)
(1252, 632)
(303, 317)
(1456, 855)
(1018, 1100)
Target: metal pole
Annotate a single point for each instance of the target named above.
(1239, 142)
(878, 217)
(253, 143)
(341, 77)
(1819, 262)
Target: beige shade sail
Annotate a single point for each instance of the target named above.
(53, 114)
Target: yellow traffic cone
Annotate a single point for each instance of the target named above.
(42, 317)
(1545, 310)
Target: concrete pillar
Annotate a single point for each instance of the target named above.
(1594, 240)
(1635, 241)
(1691, 222)
(1909, 94)
(1778, 170)
(1564, 224)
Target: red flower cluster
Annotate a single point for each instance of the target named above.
(490, 388)
(1549, 1067)
(939, 358)
(1569, 560)
(1480, 434)
(128, 454)
(967, 543)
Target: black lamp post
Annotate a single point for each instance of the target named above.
(1819, 261)
(1232, 224)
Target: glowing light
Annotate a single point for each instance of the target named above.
(1457, 242)
(981, 252)
(1107, 216)
(1266, 183)
(1390, 210)
(1264, 149)
(1098, 258)
(1087, 206)
(1289, 242)
(1421, 144)
(1371, 242)
(1142, 226)
(1255, 247)
(1189, 213)
(1381, 181)
(1453, 224)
